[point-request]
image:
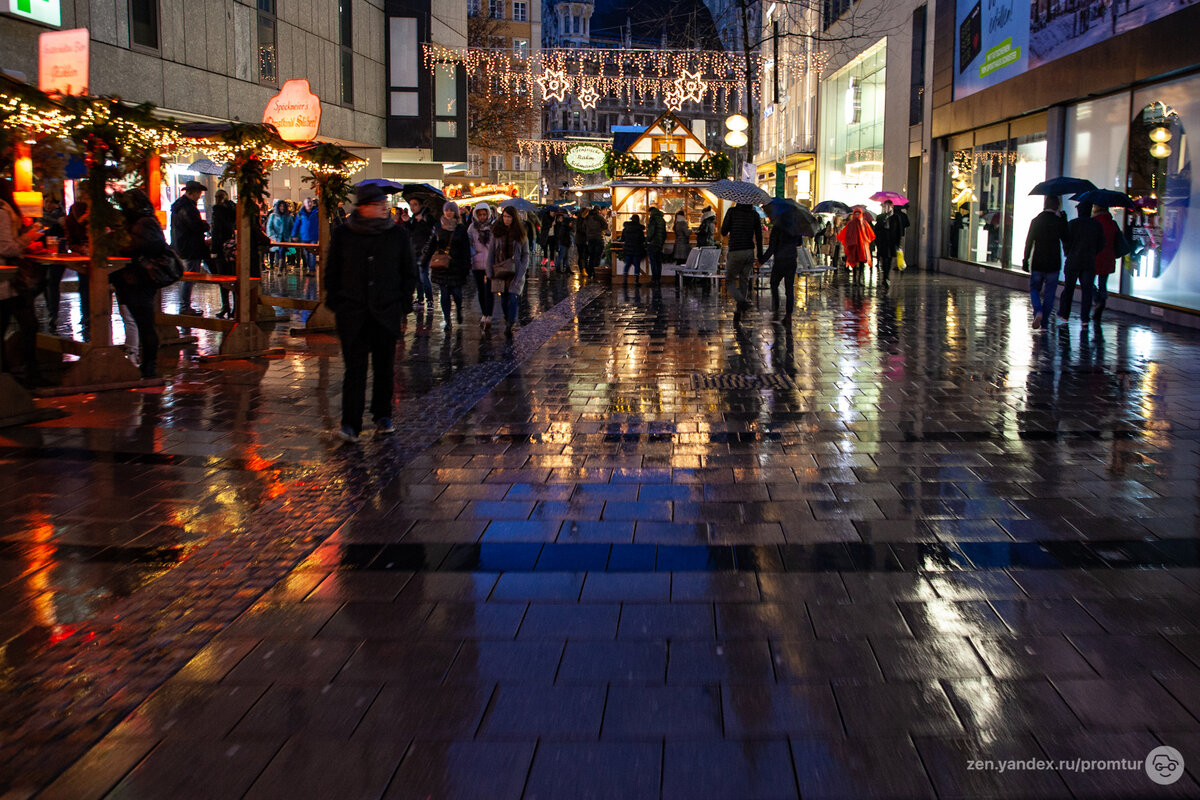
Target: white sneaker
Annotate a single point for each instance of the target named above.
(347, 434)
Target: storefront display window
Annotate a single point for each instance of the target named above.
(851, 129)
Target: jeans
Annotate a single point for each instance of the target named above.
(185, 287)
(425, 285)
(785, 274)
(738, 264)
(487, 300)
(595, 250)
(654, 257)
(511, 303)
(1086, 287)
(563, 262)
(634, 262)
(54, 277)
(451, 295)
(376, 342)
(141, 300)
(1042, 286)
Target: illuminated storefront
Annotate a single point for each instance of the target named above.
(850, 150)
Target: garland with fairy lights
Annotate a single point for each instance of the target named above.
(330, 170)
(708, 168)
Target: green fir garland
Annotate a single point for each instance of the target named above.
(709, 168)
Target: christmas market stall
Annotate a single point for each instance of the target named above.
(669, 168)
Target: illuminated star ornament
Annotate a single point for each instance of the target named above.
(554, 85)
(690, 87)
(673, 98)
(588, 97)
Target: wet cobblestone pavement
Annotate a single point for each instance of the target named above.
(638, 552)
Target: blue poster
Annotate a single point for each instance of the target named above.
(998, 39)
(993, 43)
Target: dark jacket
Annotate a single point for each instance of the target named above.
(307, 226)
(188, 229)
(782, 246)
(1045, 242)
(420, 229)
(633, 240)
(594, 225)
(457, 244)
(370, 272)
(744, 228)
(562, 230)
(656, 229)
(706, 233)
(224, 222)
(144, 239)
(889, 231)
(1085, 239)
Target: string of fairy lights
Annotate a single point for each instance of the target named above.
(672, 77)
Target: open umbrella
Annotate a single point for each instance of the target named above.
(1063, 185)
(520, 204)
(1106, 198)
(206, 166)
(831, 207)
(739, 192)
(431, 196)
(791, 216)
(866, 214)
(896, 198)
(391, 187)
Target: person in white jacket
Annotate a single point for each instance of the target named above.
(480, 236)
(509, 244)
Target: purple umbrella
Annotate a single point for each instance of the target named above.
(895, 197)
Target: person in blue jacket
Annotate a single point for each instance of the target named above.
(307, 228)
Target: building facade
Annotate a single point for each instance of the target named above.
(1106, 91)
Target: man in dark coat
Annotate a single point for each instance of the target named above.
(187, 236)
(783, 246)
(889, 235)
(1043, 256)
(420, 233)
(562, 236)
(594, 228)
(656, 237)
(369, 282)
(744, 228)
(1085, 240)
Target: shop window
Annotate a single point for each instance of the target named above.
(851, 123)
(475, 164)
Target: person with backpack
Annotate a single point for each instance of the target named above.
(133, 288)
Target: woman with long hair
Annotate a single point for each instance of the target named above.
(480, 237)
(451, 260)
(508, 261)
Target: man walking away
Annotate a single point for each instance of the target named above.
(889, 237)
(1043, 257)
(1085, 240)
(744, 231)
(562, 235)
(187, 236)
(368, 285)
(594, 228)
(656, 237)
(783, 246)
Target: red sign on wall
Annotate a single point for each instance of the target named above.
(295, 112)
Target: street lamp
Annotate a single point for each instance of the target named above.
(736, 125)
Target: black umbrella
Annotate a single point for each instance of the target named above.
(1106, 198)
(429, 195)
(792, 217)
(1063, 185)
(831, 207)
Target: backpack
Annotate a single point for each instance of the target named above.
(162, 270)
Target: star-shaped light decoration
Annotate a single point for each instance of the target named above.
(691, 87)
(554, 85)
(588, 97)
(673, 98)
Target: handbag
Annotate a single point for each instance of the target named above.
(439, 261)
(504, 270)
(900, 263)
(161, 270)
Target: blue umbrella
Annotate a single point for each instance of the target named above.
(1106, 198)
(1063, 185)
(520, 204)
(831, 207)
(391, 187)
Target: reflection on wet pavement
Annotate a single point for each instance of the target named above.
(638, 552)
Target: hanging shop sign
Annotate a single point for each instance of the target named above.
(295, 112)
(585, 158)
(63, 61)
(48, 12)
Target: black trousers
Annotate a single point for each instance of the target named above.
(140, 301)
(483, 287)
(785, 274)
(20, 310)
(886, 256)
(1087, 284)
(375, 341)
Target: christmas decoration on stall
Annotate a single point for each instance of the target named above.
(708, 168)
(690, 87)
(330, 169)
(542, 148)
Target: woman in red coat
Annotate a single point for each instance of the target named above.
(1115, 247)
(856, 238)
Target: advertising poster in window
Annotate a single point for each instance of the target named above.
(998, 39)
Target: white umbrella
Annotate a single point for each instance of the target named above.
(206, 166)
(739, 192)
